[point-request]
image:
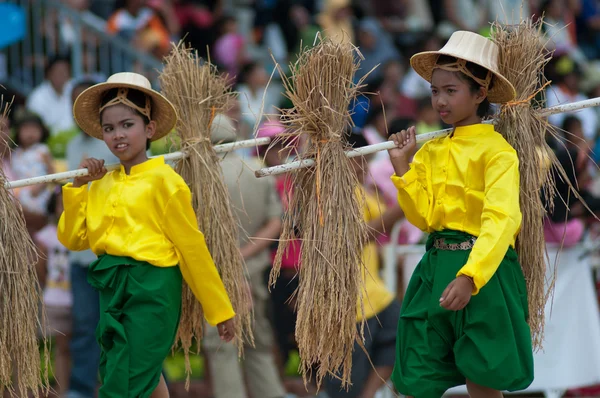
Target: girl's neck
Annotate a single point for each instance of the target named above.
(468, 121)
(128, 165)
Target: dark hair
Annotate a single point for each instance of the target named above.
(569, 121)
(246, 71)
(55, 60)
(30, 118)
(373, 114)
(133, 95)
(53, 201)
(480, 72)
(356, 139)
(400, 123)
(84, 84)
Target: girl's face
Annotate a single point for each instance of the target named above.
(30, 134)
(125, 134)
(452, 98)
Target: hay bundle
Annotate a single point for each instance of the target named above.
(198, 93)
(20, 300)
(522, 61)
(325, 211)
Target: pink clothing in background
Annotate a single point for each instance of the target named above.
(227, 51)
(571, 231)
(292, 258)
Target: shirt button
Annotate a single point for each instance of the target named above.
(439, 202)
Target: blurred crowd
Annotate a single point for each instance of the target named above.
(246, 38)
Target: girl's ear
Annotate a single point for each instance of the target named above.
(481, 95)
(150, 129)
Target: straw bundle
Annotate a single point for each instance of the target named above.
(324, 211)
(198, 93)
(20, 300)
(522, 61)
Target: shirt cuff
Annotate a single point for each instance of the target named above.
(408, 178)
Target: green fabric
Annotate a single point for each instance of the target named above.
(140, 305)
(488, 342)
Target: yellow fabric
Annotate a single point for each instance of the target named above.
(146, 215)
(467, 182)
(375, 295)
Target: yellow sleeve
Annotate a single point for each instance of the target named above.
(413, 195)
(500, 219)
(196, 263)
(72, 226)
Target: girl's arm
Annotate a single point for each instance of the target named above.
(500, 219)
(413, 193)
(196, 263)
(72, 226)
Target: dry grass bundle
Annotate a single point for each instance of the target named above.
(198, 93)
(522, 61)
(20, 300)
(325, 211)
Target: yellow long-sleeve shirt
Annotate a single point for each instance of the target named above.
(467, 182)
(146, 215)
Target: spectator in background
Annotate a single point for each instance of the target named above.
(85, 351)
(31, 158)
(258, 211)
(560, 28)
(54, 277)
(372, 369)
(51, 100)
(376, 46)
(336, 20)
(252, 89)
(141, 26)
(470, 15)
(197, 20)
(413, 85)
(565, 74)
(588, 28)
(508, 12)
(428, 119)
(230, 46)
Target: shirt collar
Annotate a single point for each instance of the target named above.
(473, 130)
(149, 164)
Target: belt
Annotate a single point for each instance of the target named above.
(441, 244)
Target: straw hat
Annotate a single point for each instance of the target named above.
(473, 48)
(86, 109)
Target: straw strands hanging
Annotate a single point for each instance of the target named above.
(199, 93)
(325, 211)
(20, 302)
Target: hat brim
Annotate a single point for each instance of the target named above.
(502, 90)
(86, 110)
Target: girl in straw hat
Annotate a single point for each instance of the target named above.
(464, 317)
(140, 222)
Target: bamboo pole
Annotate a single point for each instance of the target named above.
(223, 148)
(383, 146)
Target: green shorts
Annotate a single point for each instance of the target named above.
(488, 342)
(140, 305)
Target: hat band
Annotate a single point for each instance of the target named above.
(121, 98)
(461, 66)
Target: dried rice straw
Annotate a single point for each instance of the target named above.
(20, 302)
(198, 93)
(522, 60)
(325, 212)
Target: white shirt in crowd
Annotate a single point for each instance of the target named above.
(53, 108)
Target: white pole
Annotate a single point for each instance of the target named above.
(170, 156)
(284, 168)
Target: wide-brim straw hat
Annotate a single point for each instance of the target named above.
(473, 48)
(86, 109)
